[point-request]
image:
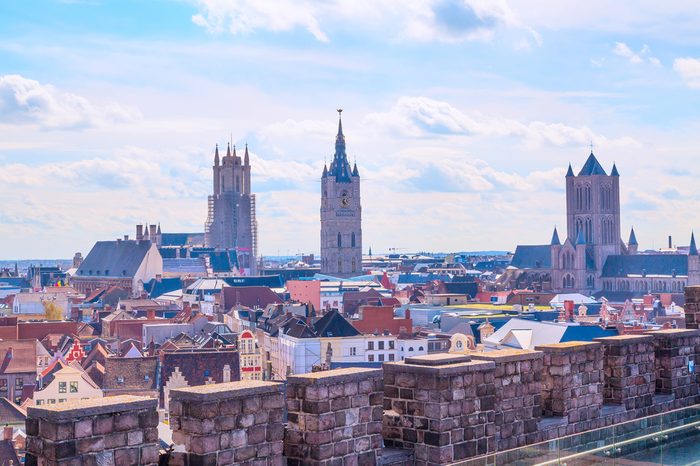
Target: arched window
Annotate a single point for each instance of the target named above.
(589, 231)
(354, 265)
(352, 239)
(340, 266)
(340, 241)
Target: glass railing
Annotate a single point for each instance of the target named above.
(671, 438)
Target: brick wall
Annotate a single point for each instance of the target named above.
(335, 417)
(628, 365)
(573, 382)
(120, 431)
(675, 354)
(230, 423)
(692, 307)
(518, 384)
(441, 406)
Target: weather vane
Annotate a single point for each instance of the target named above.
(340, 110)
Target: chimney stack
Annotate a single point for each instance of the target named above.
(139, 232)
(126, 237)
(152, 229)
(7, 433)
(670, 242)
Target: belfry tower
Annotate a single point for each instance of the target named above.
(341, 214)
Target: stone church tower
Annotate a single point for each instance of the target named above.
(341, 214)
(231, 223)
(593, 227)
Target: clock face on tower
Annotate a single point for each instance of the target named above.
(344, 199)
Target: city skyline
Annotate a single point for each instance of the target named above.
(462, 115)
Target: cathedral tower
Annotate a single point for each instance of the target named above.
(341, 214)
(231, 223)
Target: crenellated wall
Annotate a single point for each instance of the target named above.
(442, 406)
(518, 388)
(334, 417)
(573, 381)
(428, 410)
(119, 430)
(229, 423)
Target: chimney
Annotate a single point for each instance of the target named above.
(119, 240)
(670, 242)
(139, 232)
(126, 237)
(7, 432)
(152, 232)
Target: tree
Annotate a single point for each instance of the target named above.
(52, 311)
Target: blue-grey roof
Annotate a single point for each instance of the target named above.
(555, 238)
(633, 238)
(649, 264)
(586, 333)
(156, 288)
(193, 266)
(271, 281)
(114, 258)
(614, 171)
(592, 167)
(532, 257)
(340, 167)
(181, 239)
(418, 279)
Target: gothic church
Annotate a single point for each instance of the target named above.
(593, 259)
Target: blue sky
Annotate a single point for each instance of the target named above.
(462, 116)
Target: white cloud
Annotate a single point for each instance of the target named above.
(26, 101)
(623, 50)
(423, 20)
(689, 69)
(425, 117)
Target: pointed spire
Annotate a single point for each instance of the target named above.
(228, 150)
(216, 155)
(234, 150)
(580, 239)
(570, 172)
(354, 170)
(555, 238)
(633, 238)
(614, 171)
(340, 126)
(159, 232)
(693, 248)
(325, 170)
(246, 159)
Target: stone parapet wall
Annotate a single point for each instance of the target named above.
(675, 358)
(573, 382)
(630, 375)
(441, 406)
(238, 423)
(518, 388)
(692, 307)
(335, 417)
(120, 431)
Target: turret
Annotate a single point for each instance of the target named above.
(632, 244)
(246, 158)
(555, 249)
(216, 156)
(555, 238)
(693, 262)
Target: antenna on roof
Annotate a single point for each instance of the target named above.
(591, 145)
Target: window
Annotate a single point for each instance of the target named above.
(391, 357)
(391, 344)
(420, 348)
(370, 357)
(19, 383)
(381, 345)
(51, 401)
(74, 387)
(39, 402)
(3, 385)
(381, 357)
(18, 399)
(370, 345)
(353, 351)
(340, 241)
(120, 380)
(352, 240)
(61, 400)
(61, 387)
